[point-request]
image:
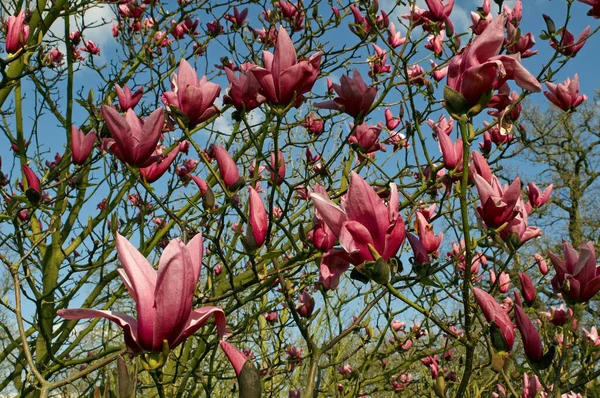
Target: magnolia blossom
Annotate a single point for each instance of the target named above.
(480, 68)
(503, 334)
(133, 140)
(17, 33)
(367, 229)
(284, 78)
(354, 96)
(565, 95)
(128, 100)
(577, 276)
(163, 298)
(567, 45)
(192, 96)
(81, 145)
(244, 92)
(592, 336)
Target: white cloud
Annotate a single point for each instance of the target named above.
(100, 16)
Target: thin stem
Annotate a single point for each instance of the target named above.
(466, 290)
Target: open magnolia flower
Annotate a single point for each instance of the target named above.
(366, 228)
(163, 298)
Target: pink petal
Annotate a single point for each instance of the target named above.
(142, 279)
(355, 239)
(173, 300)
(333, 264)
(198, 318)
(234, 355)
(125, 322)
(362, 204)
(332, 214)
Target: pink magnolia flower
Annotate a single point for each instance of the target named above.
(435, 43)
(595, 10)
(227, 168)
(247, 375)
(285, 78)
(313, 125)
(559, 316)
(531, 386)
(532, 342)
(497, 202)
(503, 281)
(156, 170)
(192, 96)
(537, 198)
(305, 305)
(480, 166)
(515, 14)
(438, 73)
(345, 370)
(365, 138)
(244, 91)
(516, 42)
(17, 33)
(398, 325)
(481, 18)
(257, 219)
(480, 67)
(432, 363)
(33, 182)
(366, 228)
(133, 140)
(214, 28)
(577, 276)
(395, 39)
(517, 231)
(238, 18)
(54, 58)
(354, 96)
(271, 316)
(592, 336)
(90, 47)
(81, 145)
(542, 265)
(416, 75)
(503, 334)
(127, 100)
(390, 121)
(163, 299)
(429, 240)
(277, 168)
(421, 256)
(377, 63)
(452, 153)
(565, 95)
(442, 126)
(567, 45)
(527, 288)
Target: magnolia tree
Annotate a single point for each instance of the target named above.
(292, 199)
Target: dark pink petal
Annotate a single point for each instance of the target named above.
(333, 264)
(173, 298)
(234, 355)
(531, 339)
(329, 212)
(125, 322)
(355, 239)
(198, 318)
(196, 249)
(362, 204)
(142, 278)
(258, 217)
